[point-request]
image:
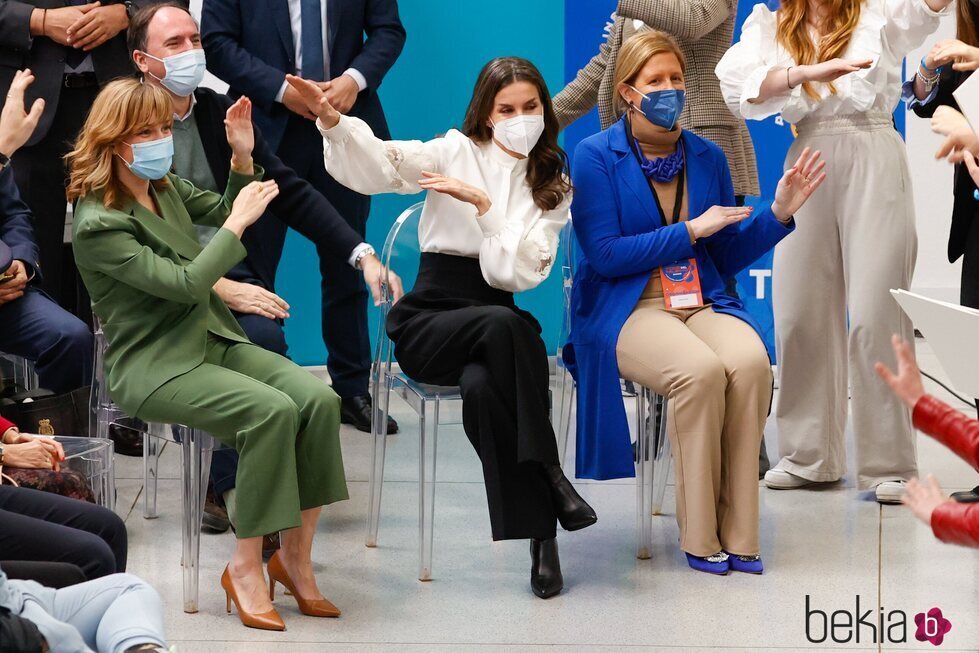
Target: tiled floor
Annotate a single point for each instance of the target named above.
(832, 545)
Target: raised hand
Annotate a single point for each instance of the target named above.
(906, 384)
(240, 133)
(716, 218)
(456, 188)
(798, 183)
(314, 97)
(17, 125)
(831, 70)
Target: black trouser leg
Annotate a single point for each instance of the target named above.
(45, 527)
(500, 362)
(41, 178)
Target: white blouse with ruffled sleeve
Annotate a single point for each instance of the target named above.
(886, 32)
(515, 241)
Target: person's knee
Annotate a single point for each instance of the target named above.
(77, 339)
(703, 374)
(282, 411)
(325, 401)
(94, 556)
(475, 380)
(265, 333)
(750, 368)
(501, 322)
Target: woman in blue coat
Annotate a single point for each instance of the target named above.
(648, 303)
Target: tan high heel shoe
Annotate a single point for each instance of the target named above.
(265, 621)
(310, 607)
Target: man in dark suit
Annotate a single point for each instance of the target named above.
(73, 48)
(252, 45)
(31, 325)
(167, 33)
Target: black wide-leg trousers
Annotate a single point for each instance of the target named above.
(454, 329)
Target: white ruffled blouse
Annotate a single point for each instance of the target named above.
(886, 32)
(515, 241)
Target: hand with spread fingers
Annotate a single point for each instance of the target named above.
(798, 184)
(923, 498)
(906, 384)
(17, 124)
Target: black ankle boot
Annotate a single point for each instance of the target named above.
(572, 511)
(545, 568)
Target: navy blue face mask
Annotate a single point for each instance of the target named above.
(662, 108)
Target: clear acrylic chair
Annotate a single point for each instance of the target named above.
(652, 446)
(195, 450)
(20, 371)
(401, 252)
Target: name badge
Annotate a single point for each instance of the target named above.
(681, 284)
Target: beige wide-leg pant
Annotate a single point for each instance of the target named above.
(716, 373)
(855, 239)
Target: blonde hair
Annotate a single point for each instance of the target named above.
(635, 52)
(793, 34)
(123, 108)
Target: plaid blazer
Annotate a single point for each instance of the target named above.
(703, 28)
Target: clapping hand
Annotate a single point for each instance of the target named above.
(829, 71)
(315, 99)
(456, 188)
(798, 183)
(240, 133)
(962, 56)
(17, 125)
(960, 135)
(906, 384)
(923, 498)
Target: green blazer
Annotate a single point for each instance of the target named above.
(151, 282)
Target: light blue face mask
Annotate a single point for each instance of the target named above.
(152, 159)
(184, 71)
(662, 108)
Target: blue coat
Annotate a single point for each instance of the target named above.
(621, 237)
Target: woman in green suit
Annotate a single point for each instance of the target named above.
(176, 354)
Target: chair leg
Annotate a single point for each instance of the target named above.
(644, 522)
(196, 454)
(565, 404)
(427, 445)
(151, 466)
(661, 457)
(376, 484)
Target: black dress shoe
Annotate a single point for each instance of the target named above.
(545, 568)
(969, 496)
(215, 517)
(572, 511)
(127, 434)
(357, 411)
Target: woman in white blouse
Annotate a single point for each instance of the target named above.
(833, 68)
(498, 196)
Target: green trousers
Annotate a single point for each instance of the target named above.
(283, 421)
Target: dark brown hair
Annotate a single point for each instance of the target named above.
(547, 163)
(139, 24)
(966, 17)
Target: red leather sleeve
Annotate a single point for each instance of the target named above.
(5, 424)
(957, 523)
(949, 426)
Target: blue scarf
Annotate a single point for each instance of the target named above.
(663, 169)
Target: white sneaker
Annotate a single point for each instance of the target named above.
(890, 492)
(778, 479)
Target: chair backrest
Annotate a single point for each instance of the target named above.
(569, 264)
(401, 255)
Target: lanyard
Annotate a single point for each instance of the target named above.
(678, 203)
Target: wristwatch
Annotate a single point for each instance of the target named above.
(4, 161)
(131, 9)
(368, 251)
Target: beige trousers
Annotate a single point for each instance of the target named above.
(855, 239)
(716, 373)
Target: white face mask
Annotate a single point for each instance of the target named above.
(519, 134)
